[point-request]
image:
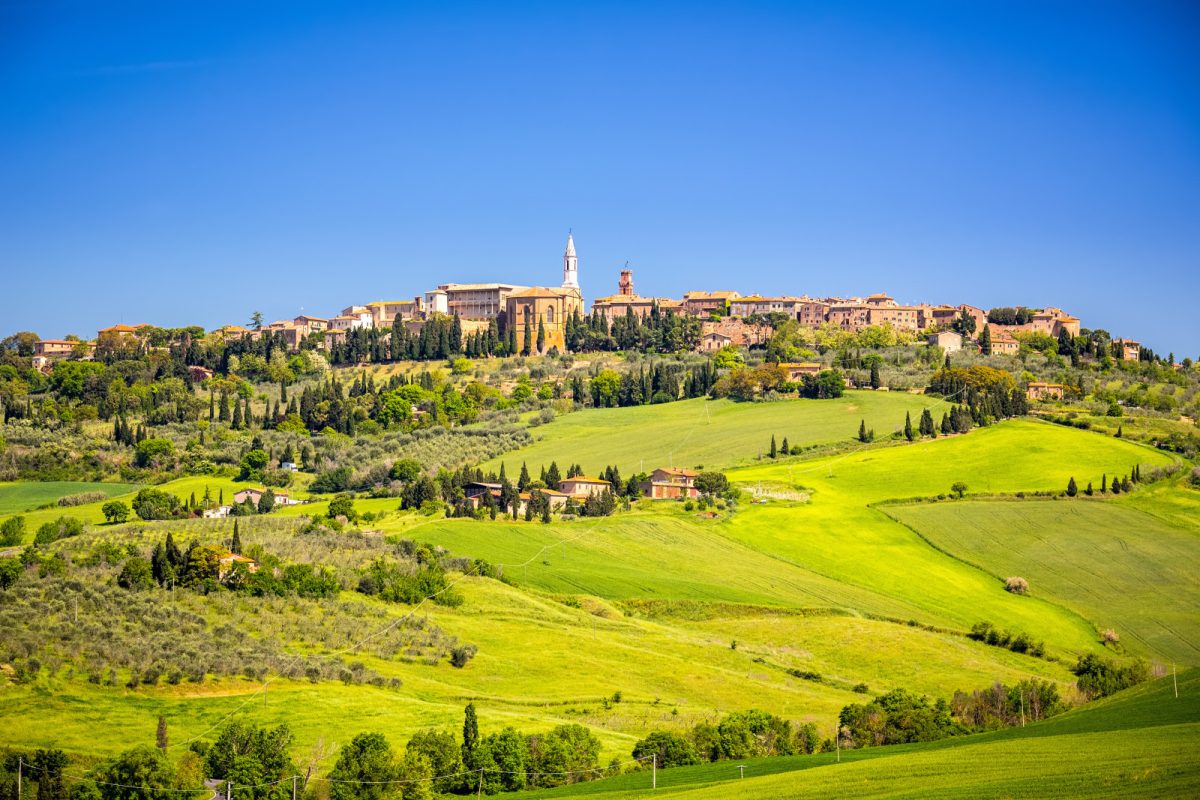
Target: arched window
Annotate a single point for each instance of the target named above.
(550, 315)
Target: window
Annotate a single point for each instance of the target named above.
(550, 315)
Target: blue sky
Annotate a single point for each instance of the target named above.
(185, 162)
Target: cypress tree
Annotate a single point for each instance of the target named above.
(1072, 488)
(236, 545)
(523, 480)
(772, 453)
(1089, 491)
(236, 424)
(1120, 431)
(160, 736)
(212, 407)
(541, 336)
(908, 429)
(875, 382)
(783, 448)
(946, 429)
(1104, 483)
(862, 431)
(985, 340)
(470, 737)
(527, 344)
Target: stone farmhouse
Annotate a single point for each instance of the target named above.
(671, 483)
(1039, 390)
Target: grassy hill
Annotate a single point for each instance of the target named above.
(1067, 551)
(649, 603)
(1139, 743)
(709, 432)
(26, 496)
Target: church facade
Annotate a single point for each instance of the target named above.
(547, 308)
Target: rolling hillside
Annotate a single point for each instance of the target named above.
(709, 432)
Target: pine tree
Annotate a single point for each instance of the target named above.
(908, 428)
(160, 737)
(1072, 488)
(236, 545)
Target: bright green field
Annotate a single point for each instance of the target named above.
(1140, 743)
(25, 496)
(92, 513)
(708, 432)
(1067, 549)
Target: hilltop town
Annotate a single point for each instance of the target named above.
(505, 318)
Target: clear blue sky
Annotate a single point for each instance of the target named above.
(186, 162)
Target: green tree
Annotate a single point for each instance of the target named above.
(1072, 489)
(908, 428)
(141, 773)
(362, 769)
(157, 453)
(985, 340)
(235, 545)
(160, 736)
(875, 381)
(470, 737)
(862, 431)
(12, 531)
(115, 512)
(342, 506)
(772, 451)
(444, 754)
(406, 470)
(47, 769)
(252, 464)
(670, 750)
(155, 504)
(959, 488)
(541, 336)
(712, 484)
(136, 574)
(266, 503)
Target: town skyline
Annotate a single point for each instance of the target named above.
(192, 164)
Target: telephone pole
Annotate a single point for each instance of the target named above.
(654, 771)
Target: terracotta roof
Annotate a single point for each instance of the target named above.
(683, 473)
(542, 291)
(582, 479)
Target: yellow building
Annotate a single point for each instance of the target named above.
(549, 308)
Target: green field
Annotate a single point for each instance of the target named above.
(26, 496)
(817, 577)
(707, 432)
(1066, 550)
(1140, 743)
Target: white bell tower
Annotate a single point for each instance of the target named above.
(570, 265)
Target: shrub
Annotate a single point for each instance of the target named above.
(959, 488)
(1016, 585)
(461, 656)
(1109, 636)
(670, 750)
(61, 528)
(82, 499)
(154, 452)
(1100, 677)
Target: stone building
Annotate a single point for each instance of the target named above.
(547, 308)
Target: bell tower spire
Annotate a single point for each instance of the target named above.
(570, 265)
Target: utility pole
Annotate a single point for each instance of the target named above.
(294, 786)
(741, 770)
(228, 790)
(837, 739)
(1022, 709)
(479, 791)
(654, 771)
(1174, 680)
(20, 765)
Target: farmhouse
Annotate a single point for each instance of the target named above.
(671, 483)
(228, 562)
(255, 495)
(949, 341)
(581, 487)
(1039, 390)
(1127, 349)
(796, 370)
